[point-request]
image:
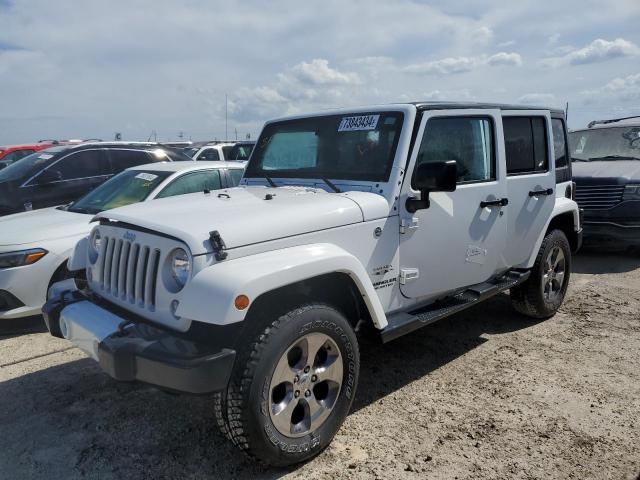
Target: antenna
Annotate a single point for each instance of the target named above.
(226, 104)
(566, 113)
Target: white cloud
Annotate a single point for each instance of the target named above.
(318, 72)
(597, 51)
(451, 65)
(444, 66)
(453, 95)
(482, 34)
(543, 99)
(620, 88)
(504, 58)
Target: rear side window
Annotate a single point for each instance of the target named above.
(123, 159)
(192, 182)
(210, 154)
(226, 151)
(235, 175)
(467, 140)
(559, 143)
(84, 164)
(525, 140)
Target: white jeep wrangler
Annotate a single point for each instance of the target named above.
(389, 216)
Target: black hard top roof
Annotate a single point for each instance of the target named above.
(480, 105)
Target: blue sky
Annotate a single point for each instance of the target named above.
(83, 68)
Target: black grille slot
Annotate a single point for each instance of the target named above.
(129, 271)
(599, 197)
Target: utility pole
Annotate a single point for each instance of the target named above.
(226, 104)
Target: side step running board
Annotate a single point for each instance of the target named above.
(406, 322)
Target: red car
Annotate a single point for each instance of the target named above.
(11, 153)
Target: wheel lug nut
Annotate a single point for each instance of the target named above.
(306, 369)
(307, 393)
(296, 393)
(296, 379)
(314, 378)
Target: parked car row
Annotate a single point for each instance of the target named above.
(35, 245)
(213, 151)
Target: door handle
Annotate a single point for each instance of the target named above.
(536, 193)
(500, 202)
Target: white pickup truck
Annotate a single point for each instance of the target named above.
(384, 217)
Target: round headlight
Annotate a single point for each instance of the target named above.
(95, 240)
(180, 266)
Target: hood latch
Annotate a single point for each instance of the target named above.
(218, 246)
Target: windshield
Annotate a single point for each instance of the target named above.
(191, 151)
(240, 151)
(347, 147)
(130, 186)
(27, 165)
(615, 143)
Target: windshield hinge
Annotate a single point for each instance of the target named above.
(217, 244)
(408, 274)
(407, 224)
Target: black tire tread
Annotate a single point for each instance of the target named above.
(524, 297)
(230, 405)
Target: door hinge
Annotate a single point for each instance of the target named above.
(408, 274)
(407, 224)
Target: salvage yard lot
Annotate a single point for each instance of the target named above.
(484, 394)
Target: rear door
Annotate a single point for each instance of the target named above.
(69, 178)
(459, 239)
(531, 181)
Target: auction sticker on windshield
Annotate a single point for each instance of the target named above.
(149, 177)
(361, 122)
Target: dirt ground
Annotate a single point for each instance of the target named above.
(484, 394)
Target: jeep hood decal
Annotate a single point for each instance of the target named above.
(248, 215)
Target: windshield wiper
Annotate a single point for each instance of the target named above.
(615, 157)
(271, 182)
(331, 185)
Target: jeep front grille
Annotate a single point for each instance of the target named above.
(598, 197)
(129, 271)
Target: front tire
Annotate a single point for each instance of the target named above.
(543, 293)
(292, 388)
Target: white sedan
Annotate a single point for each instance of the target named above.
(35, 245)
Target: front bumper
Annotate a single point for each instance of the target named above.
(611, 233)
(135, 351)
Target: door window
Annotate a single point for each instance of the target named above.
(559, 143)
(192, 182)
(525, 140)
(123, 159)
(83, 164)
(467, 140)
(210, 154)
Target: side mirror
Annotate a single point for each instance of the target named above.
(49, 176)
(433, 177)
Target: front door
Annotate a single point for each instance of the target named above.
(460, 238)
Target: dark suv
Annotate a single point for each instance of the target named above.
(64, 173)
(606, 170)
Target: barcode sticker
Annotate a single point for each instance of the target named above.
(359, 123)
(149, 177)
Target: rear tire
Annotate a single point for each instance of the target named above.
(292, 387)
(543, 293)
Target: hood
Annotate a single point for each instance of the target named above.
(245, 215)
(618, 171)
(44, 224)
